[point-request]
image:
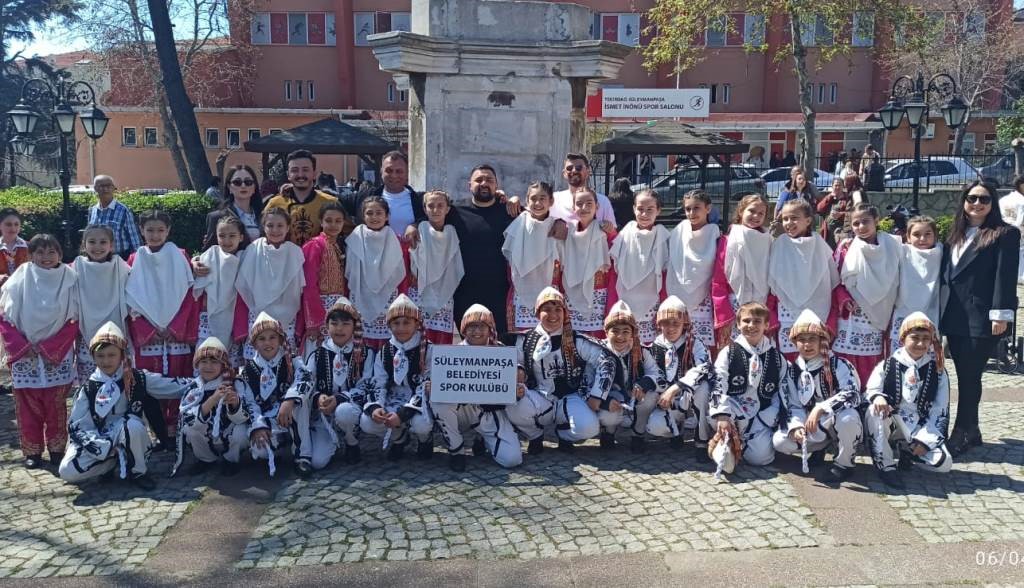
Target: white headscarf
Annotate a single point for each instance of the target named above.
(219, 287)
(531, 254)
(101, 294)
(640, 255)
(437, 263)
(871, 274)
(38, 301)
(270, 279)
(157, 283)
(586, 252)
(919, 281)
(746, 263)
(797, 273)
(374, 268)
(691, 259)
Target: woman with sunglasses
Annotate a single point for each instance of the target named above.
(978, 298)
(241, 199)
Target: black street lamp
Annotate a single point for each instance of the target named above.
(911, 97)
(59, 101)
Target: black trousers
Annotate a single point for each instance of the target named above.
(970, 356)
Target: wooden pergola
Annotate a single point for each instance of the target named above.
(327, 136)
(669, 137)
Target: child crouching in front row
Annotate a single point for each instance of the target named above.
(745, 403)
(908, 412)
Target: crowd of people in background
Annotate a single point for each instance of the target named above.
(309, 318)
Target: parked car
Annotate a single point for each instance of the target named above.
(672, 187)
(775, 180)
(1001, 169)
(935, 172)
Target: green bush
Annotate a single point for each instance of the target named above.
(43, 212)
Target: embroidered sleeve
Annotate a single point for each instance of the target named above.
(603, 364)
(377, 385)
(703, 369)
(164, 388)
(789, 399)
(720, 402)
(304, 384)
(651, 374)
(932, 432)
(848, 388)
(247, 408)
(876, 383)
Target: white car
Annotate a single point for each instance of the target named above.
(941, 172)
(775, 180)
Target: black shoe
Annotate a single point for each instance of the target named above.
(836, 475)
(957, 443)
(303, 468)
(200, 467)
(891, 478)
(33, 462)
(396, 451)
(536, 446)
(816, 458)
(457, 461)
(5, 389)
(607, 441)
(478, 446)
(638, 445)
(700, 453)
(425, 450)
(55, 459)
(352, 454)
(676, 441)
(566, 446)
(905, 463)
(109, 475)
(144, 482)
(229, 468)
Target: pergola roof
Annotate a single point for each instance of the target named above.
(330, 136)
(671, 137)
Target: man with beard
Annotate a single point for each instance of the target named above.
(404, 203)
(301, 199)
(576, 173)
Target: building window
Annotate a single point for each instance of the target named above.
(716, 32)
(254, 134)
(753, 29)
(149, 137)
(298, 89)
(814, 32)
(403, 95)
(293, 28)
(213, 137)
(274, 131)
(234, 138)
(128, 138)
(833, 95)
(863, 29)
(311, 93)
(369, 23)
(726, 93)
(821, 93)
(391, 92)
(288, 90)
(620, 27)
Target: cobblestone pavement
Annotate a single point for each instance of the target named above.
(981, 499)
(48, 528)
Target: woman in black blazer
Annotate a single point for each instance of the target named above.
(978, 298)
(241, 199)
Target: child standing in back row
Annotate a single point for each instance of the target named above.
(741, 267)
(587, 278)
(436, 269)
(534, 260)
(102, 277)
(324, 269)
(691, 263)
(375, 270)
(219, 304)
(920, 263)
(640, 253)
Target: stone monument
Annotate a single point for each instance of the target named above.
(495, 81)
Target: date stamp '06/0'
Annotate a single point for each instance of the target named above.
(998, 558)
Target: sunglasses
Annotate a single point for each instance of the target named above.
(576, 167)
(972, 199)
(240, 182)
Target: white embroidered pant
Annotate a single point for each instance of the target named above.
(757, 445)
(494, 428)
(669, 423)
(79, 466)
(641, 414)
(233, 439)
(531, 414)
(575, 421)
(886, 438)
(420, 426)
(346, 420)
(845, 430)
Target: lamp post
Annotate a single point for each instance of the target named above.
(911, 97)
(59, 101)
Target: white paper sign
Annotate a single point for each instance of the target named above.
(639, 103)
(473, 374)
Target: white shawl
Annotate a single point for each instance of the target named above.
(531, 255)
(374, 268)
(586, 252)
(219, 287)
(270, 279)
(437, 264)
(101, 294)
(871, 274)
(157, 283)
(746, 263)
(802, 274)
(919, 281)
(640, 255)
(39, 302)
(691, 260)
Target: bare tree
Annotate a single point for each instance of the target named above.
(974, 42)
